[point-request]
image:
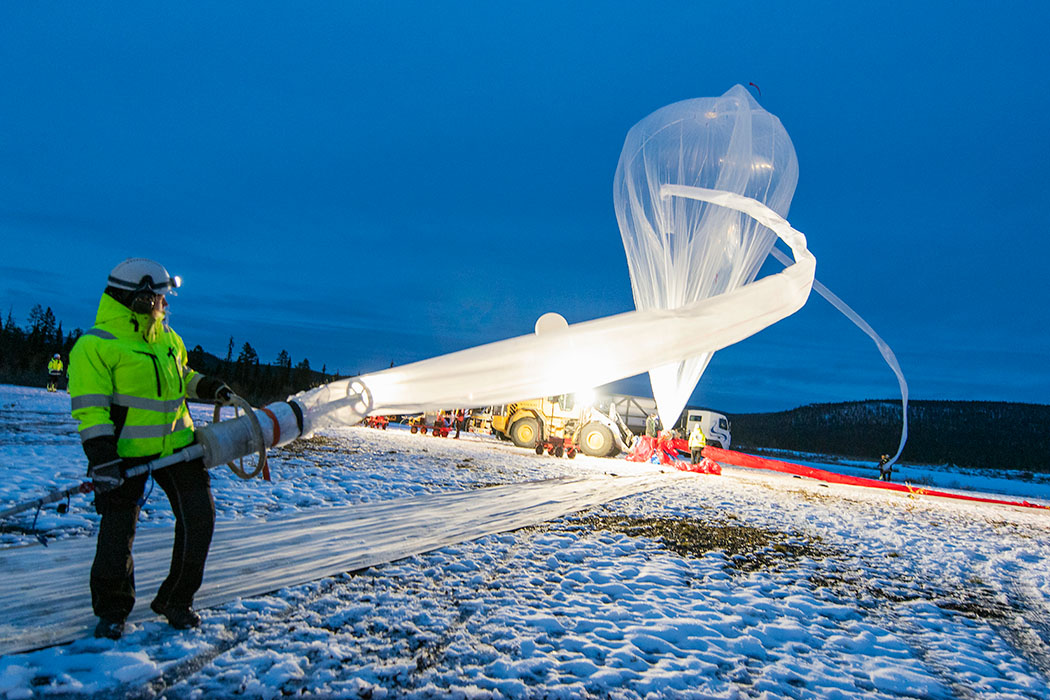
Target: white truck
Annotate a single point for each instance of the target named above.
(714, 424)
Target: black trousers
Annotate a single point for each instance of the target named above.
(697, 454)
(188, 487)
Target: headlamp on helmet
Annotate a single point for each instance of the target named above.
(139, 275)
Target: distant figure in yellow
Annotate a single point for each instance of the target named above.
(697, 443)
(54, 372)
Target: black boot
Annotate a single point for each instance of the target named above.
(179, 618)
(109, 629)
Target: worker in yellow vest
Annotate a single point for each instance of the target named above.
(697, 443)
(54, 372)
(128, 384)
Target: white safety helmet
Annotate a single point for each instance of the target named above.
(56, 356)
(143, 274)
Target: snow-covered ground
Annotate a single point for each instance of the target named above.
(749, 584)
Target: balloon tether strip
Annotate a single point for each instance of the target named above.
(797, 242)
(758, 211)
(884, 349)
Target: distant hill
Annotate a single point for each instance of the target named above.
(989, 434)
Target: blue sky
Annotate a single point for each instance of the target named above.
(366, 183)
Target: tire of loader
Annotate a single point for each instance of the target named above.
(525, 432)
(596, 440)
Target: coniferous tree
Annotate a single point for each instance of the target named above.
(36, 318)
(284, 372)
(248, 355)
(8, 333)
(49, 326)
(247, 363)
(36, 326)
(303, 374)
(195, 357)
(227, 367)
(37, 340)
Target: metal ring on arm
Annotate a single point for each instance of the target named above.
(238, 467)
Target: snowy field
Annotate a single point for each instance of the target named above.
(749, 584)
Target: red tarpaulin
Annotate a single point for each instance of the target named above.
(664, 450)
(650, 449)
(740, 459)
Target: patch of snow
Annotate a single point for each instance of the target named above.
(891, 596)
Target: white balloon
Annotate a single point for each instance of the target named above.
(583, 355)
(691, 196)
(679, 249)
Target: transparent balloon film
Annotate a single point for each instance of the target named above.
(681, 250)
(701, 194)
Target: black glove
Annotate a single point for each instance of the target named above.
(108, 476)
(104, 465)
(214, 389)
(223, 394)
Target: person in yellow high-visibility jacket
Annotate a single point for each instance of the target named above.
(128, 384)
(697, 443)
(54, 372)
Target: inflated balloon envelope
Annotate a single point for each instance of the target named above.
(681, 246)
(701, 191)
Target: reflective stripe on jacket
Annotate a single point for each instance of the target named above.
(54, 366)
(128, 377)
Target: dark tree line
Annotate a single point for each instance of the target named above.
(255, 381)
(963, 433)
(25, 352)
(991, 434)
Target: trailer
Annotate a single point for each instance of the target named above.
(434, 421)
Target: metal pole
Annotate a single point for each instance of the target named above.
(187, 455)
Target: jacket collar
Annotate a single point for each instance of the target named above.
(124, 323)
